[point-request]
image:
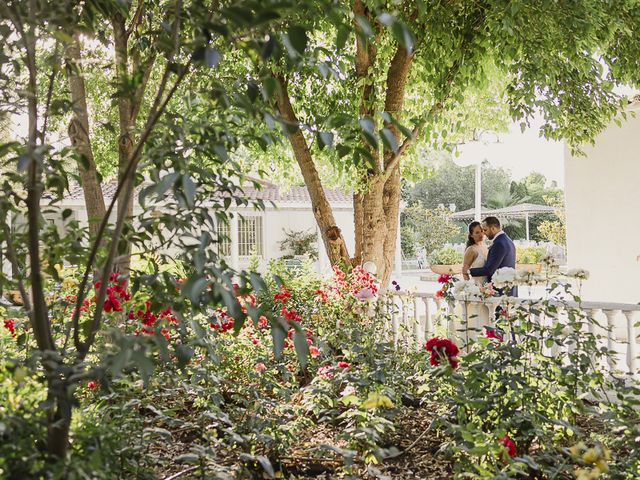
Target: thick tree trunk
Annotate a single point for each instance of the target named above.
(129, 107)
(126, 124)
(59, 423)
(79, 135)
(374, 226)
(391, 205)
(321, 208)
(397, 76)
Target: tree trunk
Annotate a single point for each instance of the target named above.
(79, 135)
(397, 76)
(374, 226)
(128, 107)
(59, 422)
(126, 124)
(321, 208)
(391, 205)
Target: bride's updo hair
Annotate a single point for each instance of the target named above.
(470, 240)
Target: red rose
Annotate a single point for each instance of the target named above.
(10, 324)
(92, 384)
(444, 278)
(509, 445)
(343, 364)
(442, 347)
(492, 333)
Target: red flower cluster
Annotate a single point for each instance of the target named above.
(283, 295)
(359, 280)
(223, 321)
(289, 314)
(442, 347)
(362, 279)
(116, 293)
(444, 278)
(326, 372)
(343, 364)
(10, 324)
(92, 384)
(510, 445)
(323, 295)
(149, 318)
(292, 315)
(493, 333)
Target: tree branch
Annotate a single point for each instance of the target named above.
(127, 185)
(40, 317)
(137, 18)
(52, 77)
(13, 258)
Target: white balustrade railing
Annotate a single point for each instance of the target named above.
(417, 316)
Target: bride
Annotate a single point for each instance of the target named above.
(476, 315)
(475, 255)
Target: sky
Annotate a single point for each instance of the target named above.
(521, 152)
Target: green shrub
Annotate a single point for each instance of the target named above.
(530, 255)
(446, 256)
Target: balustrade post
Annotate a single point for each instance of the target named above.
(417, 326)
(632, 341)
(611, 315)
(428, 329)
(396, 321)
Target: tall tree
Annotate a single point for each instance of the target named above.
(408, 69)
(185, 155)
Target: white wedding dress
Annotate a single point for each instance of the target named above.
(479, 261)
(477, 315)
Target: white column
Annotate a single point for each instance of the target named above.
(478, 191)
(234, 237)
(632, 350)
(526, 223)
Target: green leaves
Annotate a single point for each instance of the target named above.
(211, 57)
(368, 131)
(325, 139)
(296, 41)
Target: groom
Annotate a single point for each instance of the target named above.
(502, 252)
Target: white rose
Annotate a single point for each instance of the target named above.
(580, 273)
(348, 390)
(503, 277)
(466, 288)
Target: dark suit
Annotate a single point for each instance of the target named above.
(502, 253)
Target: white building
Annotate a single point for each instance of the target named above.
(603, 211)
(256, 231)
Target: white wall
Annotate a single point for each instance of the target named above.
(603, 213)
(299, 219)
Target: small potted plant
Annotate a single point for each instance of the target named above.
(446, 260)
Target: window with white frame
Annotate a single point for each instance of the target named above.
(224, 239)
(250, 235)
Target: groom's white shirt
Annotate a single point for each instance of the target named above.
(501, 232)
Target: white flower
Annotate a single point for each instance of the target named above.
(580, 273)
(365, 294)
(348, 390)
(503, 277)
(466, 288)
